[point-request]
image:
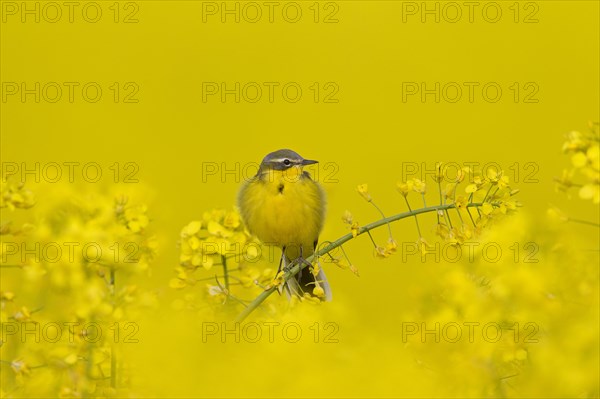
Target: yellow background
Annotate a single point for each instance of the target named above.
(368, 134)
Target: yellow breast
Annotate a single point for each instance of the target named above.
(284, 208)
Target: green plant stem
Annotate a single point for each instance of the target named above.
(372, 239)
(488, 192)
(416, 219)
(216, 276)
(448, 218)
(225, 272)
(383, 216)
(296, 268)
(439, 184)
(113, 351)
(459, 216)
(344, 252)
(443, 202)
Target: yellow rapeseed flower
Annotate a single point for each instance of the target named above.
(440, 171)
(354, 270)
(191, 228)
(405, 187)
(461, 202)
(442, 231)
(232, 220)
(471, 188)
(419, 186)
(487, 208)
(380, 252)
(363, 190)
(391, 246)
(355, 229)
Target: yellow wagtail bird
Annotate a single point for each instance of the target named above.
(283, 206)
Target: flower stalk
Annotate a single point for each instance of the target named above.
(339, 242)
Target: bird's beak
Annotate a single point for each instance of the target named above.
(308, 162)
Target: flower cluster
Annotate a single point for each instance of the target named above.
(219, 239)
(482, 199)
(583, 149)
(73, 265)
(15, 195)
(514, 314)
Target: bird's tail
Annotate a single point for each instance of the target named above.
(305, 282)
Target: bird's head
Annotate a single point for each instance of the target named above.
(282, 160)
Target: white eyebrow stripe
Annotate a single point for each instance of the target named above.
(280, 160)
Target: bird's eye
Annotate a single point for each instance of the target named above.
(286, 162)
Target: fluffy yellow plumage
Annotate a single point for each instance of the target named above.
(285, 209)
(283, 206)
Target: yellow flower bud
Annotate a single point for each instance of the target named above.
(347, 217)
